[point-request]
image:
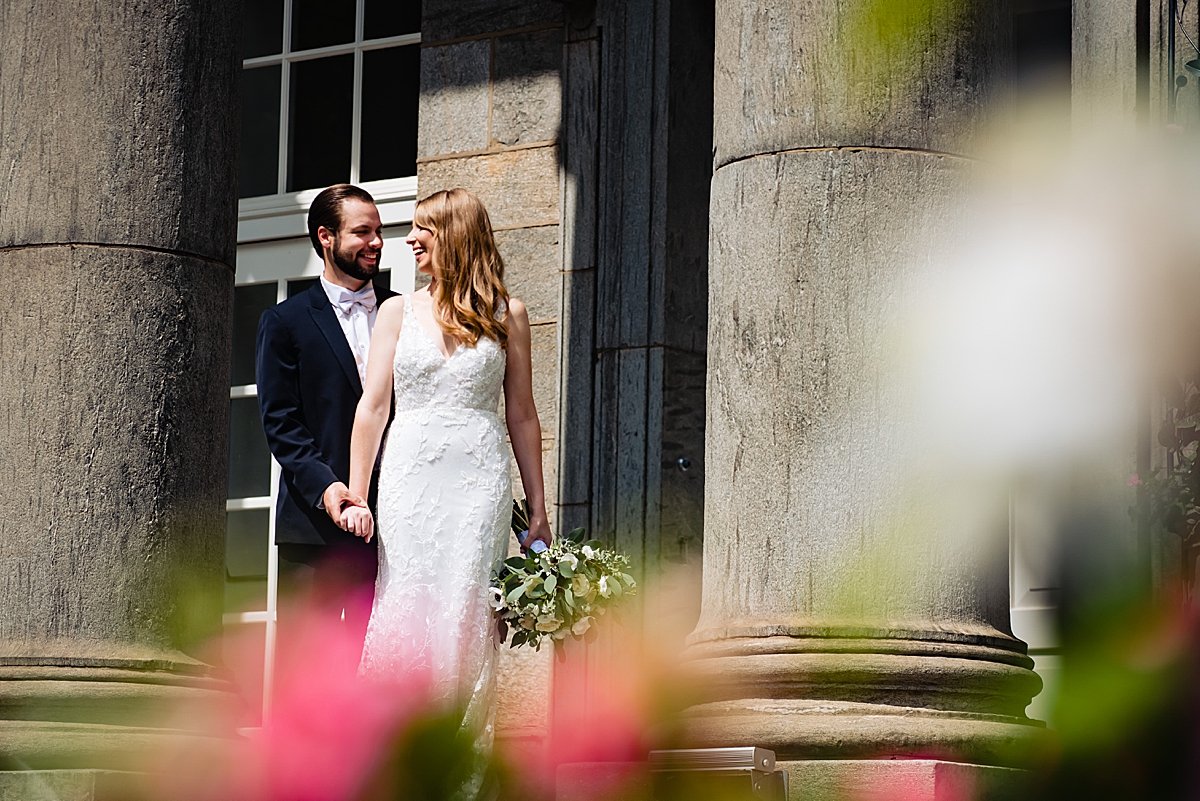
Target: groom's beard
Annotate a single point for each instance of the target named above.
(348, 264)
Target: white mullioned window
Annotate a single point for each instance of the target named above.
(329, 92)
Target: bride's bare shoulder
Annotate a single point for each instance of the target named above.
(391, 310)
(517, 311)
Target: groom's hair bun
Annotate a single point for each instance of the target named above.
(326, 210)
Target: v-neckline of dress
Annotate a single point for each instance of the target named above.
(446, 357)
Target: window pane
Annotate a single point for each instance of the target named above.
(319, 128)
(247, 538)
(245, 595)
(249, 459)
(299, 285)
(249, 302)
(384, 18)
(320, 23)
(259, 158)
(262, 28)
(391, 85)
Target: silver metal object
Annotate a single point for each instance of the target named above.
(749, 757)
(750, 768)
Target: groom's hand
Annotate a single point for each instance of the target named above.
(336, 498)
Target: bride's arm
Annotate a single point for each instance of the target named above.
(521, 416)
(371, 416)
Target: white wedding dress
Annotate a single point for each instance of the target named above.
(445, 502)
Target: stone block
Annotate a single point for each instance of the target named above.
(527, 88)
(531, 269)
(910, 779)
(810, 780)
(454, 98)
(519, 187)
(70, 785)
(545, 390)
(549, 478)
(545, 376)
(603, 781)
(523, 702)
(455, 19)
(118, 126)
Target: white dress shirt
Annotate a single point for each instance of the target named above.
(355, 312)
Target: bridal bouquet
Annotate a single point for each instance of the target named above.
(558, 592)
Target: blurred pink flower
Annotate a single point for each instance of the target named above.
(1134, 480)
(328, 733)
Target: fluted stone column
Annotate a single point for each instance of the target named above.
(846, 613)
(117, 237)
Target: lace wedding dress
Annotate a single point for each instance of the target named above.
(445, 503)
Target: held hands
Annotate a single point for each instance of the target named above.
(359, 522)
(348, 511)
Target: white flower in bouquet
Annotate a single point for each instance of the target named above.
(558, 593)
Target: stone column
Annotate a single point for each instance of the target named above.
(117, 238)
(836, 624)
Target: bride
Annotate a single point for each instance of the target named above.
(444, 488)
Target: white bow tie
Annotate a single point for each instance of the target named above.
(347, 300)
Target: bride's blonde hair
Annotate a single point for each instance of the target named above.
(468, 292)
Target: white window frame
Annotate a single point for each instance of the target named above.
(284, 202)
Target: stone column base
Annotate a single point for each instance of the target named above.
(68, 785)
(809, 780)
(893, 779)
(114, 717)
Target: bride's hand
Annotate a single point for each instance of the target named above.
(539, 529)
(358, 521)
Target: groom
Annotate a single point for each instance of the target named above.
(311, 363)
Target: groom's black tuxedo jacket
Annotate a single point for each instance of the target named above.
(308, 390)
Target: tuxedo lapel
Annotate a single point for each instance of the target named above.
(322, 314)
